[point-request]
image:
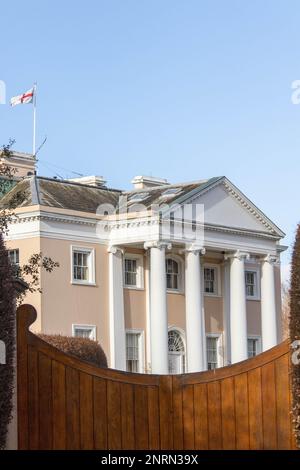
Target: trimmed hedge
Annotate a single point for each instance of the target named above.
(295, 332)
(82, 348)
(7, 335)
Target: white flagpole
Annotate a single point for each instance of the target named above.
(34, 120)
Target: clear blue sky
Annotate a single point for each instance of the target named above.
(178, 89)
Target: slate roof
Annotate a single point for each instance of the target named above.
(156, 195)
(64, 194)
(35, 190)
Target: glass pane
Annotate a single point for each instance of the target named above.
(252, 347)
(212, 358)
(83, 332)
(132, 352)
(80, 266)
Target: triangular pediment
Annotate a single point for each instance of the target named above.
(226, 206)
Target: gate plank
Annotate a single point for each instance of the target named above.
(282, 400)
(188, 417)
(269, 406)
(166, 412)
(127, 413)
(100, 414)
(86, 411)
(241, 411)
(228, 414)
(73, 406)
(255, 409)
(214, 415)
(141, 417)
(201, 422)
(114, 425)
(177, 412)
(153, 418)
(33, 399)
(45, 402)
(59, 405)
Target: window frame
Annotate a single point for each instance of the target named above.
(216, 267)
(141, 345)
(220, 347)
(179, 261)
(259, 344)
(91, 265)
(139, 271)
(80, 326)
(14, 250)
(256, 271)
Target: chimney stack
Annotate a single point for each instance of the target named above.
(142, 182)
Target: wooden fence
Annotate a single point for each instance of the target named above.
(66, 403)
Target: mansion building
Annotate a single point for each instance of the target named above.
(202, 294)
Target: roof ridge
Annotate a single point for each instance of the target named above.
(74, 183)
(34, 188)
(169, 186)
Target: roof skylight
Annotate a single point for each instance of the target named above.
(137, 197)
(171, 192)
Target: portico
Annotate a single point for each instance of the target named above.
(195, 330)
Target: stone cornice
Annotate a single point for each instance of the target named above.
(53, 218)
(132, 223)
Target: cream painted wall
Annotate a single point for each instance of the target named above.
(176, 310)
(135, 308)
(213, 307)
(253, 317)
(64, 303)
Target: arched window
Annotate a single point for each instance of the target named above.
(173, 274)
(176, 352)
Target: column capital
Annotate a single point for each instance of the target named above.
(272, 259)
(238, 254)
(193, 248)
(114, 249)
(158, 244)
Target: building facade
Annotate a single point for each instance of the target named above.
(162, 290)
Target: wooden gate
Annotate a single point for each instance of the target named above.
(66, 403)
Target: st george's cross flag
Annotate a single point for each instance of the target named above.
(26, 98)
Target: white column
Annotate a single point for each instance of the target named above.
(158, 308)
(116, 310)
(238, 313)
(268, 304)
(226, 312)
(194, 312)
(148, 320)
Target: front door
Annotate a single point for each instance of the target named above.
(175, 363)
